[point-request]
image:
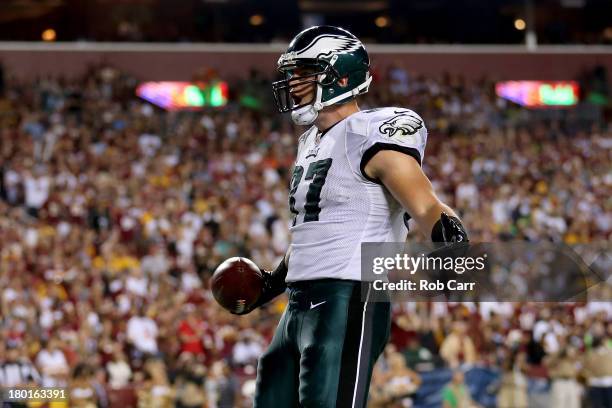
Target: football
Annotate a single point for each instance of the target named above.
(236, 284)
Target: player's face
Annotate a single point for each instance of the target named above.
(301, 91)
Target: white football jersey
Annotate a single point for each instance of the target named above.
(334, 205)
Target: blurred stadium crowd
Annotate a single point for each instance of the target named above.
(114, 214)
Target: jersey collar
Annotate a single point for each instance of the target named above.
(320, 134)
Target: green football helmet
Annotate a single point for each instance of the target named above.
(324, 55)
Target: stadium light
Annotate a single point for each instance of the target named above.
(49, 35)
(256, 20)
(382, 21)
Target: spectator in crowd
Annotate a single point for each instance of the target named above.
(247, 350)
(224, 386)
(513, 388)
(142, 332)
(36, 186)
(155, 263)
(81, 391)
(418, 357)
(98, 382)
(191, 332)
(598, 371)
(52, 364)
(16, 370)
(118, 369)
(156, 390)
(456, 394)
(190, 382)
(564, 368)
(458, 349)
(393, 382)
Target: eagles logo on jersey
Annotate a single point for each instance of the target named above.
(404, 122)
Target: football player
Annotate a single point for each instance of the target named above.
(356, 175)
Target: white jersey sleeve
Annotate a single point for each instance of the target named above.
(392, 128)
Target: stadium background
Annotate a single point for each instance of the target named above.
(114, 212)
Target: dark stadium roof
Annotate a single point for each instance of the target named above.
(392, 21)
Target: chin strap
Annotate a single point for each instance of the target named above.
(305, 115)
(308, 114)
(362, 88)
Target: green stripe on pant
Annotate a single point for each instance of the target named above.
(324, 348)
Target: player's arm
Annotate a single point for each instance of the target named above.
(402, 175)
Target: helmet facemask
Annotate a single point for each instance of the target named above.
(321, 73)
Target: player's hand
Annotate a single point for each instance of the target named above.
(273, 285)
(454, 244)
(266, 277)
(454, 238)
(452, 229)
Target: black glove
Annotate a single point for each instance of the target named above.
(451, 242)
(449, 229)
(273, 285)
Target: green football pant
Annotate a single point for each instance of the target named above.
(324, 347)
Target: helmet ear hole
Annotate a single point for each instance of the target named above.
(343, 82)
(329, 76)
(328, 80)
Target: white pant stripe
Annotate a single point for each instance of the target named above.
(365, 306)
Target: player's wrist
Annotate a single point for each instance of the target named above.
(274, 283)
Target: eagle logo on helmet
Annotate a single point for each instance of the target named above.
(404, 122)
(325, 46)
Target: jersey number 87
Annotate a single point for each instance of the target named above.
(317, 172)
